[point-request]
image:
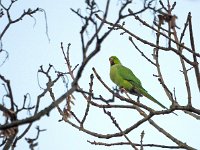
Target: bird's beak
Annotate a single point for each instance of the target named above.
(111, 61)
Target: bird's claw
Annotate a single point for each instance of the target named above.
(122, 90)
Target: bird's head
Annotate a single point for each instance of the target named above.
(114, 60)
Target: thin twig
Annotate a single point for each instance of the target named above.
(118, 127)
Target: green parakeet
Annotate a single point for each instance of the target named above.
(124, 78)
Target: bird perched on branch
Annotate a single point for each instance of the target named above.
(124, 78)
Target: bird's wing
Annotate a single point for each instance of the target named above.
(128, 75)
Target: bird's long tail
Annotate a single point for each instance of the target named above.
(147, 95)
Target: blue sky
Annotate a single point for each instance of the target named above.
(29, 48)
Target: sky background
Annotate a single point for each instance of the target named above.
(29, 48)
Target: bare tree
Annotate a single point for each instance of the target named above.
(164, 27)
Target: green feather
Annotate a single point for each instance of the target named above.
(125, 78)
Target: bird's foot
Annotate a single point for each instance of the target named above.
(122, 90)
(138, 99)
